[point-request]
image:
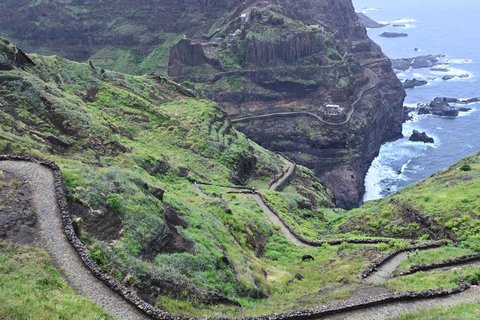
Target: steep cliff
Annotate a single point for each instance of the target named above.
(256, 58)
(274, 66)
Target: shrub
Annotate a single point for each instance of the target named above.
(383, 246)
(466, 167)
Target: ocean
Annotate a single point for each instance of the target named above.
(446, 27)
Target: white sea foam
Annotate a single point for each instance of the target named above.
(405, 166)
(404, 20)
(457, 61)
(365, 10)
(466, 113)
(373, 180)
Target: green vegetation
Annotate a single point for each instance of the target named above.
(449, 199)
(434, 279)
(31, 288)
(434, 255)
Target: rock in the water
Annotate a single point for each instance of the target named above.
(448, 77)
(427, 61)
(418, 136)
(368, 22)
(410, 84)
(471, 100)
(393, 34)
(440, 107)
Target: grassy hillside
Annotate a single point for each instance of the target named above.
(28, 275)
(445, 205)
(120, 141)
(448, 201)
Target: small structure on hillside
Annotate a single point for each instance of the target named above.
(332, 110)
(316, 27)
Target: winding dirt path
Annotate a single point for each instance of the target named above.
(292, 238)
(65, 258)
(385, 271)
(280, 183)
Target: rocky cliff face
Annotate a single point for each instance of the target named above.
(279, 63)
(267, 58)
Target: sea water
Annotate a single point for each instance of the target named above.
(444, 27)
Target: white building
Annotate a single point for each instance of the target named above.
(332, 109)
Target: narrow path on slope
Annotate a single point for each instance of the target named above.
(65, 257)
(386, 270)
(276, 221)
(396, 309)
(280, 183)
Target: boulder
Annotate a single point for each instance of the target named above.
(418, 136)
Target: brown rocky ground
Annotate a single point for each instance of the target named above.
(18, 222)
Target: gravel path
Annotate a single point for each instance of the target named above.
(279, 183)
(55, 242)
(385, 271)
(393, 310)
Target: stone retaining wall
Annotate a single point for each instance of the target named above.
(386, 257)
(131, 297)
(444, 263)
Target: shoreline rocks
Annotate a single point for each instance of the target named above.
(440, 106)
(410, 84)
(418, 136)
(419, 62)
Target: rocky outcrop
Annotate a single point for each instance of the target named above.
(168, 239)
(410, 84)
(418, 136)
(12, 57)
(439, 107)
